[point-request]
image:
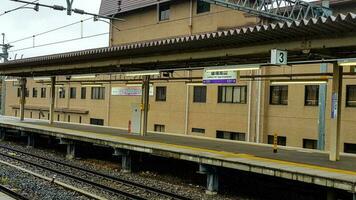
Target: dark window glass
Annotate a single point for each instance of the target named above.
(279, 95)
(161, 93)
(310, 144)
(62, 93)
(311, 95)
(199, 94)
(68, 118)
(281, 140)
(349, 148)
(232, 94)
(351, 96)
(18, 92)
(97, 93)
(34, 92)
(43, 92)
(83, 94)
(99, 122)
(164, 12)
(73, 93)
(198, 130)
(231, 135)
(27, 92)
(159, 128)
(80, 119)
(202, 7)
(58, 117)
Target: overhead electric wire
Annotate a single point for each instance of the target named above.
(60, 42)
(49, 31)
(8, 11)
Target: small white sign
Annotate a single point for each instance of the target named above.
(220, 77)
(279, 57)
(129, 91)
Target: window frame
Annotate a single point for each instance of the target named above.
(34, 92)
(72, 92)
(164, 12)
(158, 94)
(281, 140)
(315, 143)
(199, 94)
(348, 96)
(198, 130)
(223, 91)
(201, 7)
(83, 95)
(99, 94)
(236, 136)
(43, 93)
(280, 91)
(306, 93)
(62, 92)
(160, 127)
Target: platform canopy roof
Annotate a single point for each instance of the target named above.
(332, 37)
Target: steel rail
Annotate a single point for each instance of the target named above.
(113, 178)
(107, 188)
(11, 193)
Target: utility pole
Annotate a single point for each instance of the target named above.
(4, 55)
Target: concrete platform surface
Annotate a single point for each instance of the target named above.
(297, 164)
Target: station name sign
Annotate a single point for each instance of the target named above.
(220, 77)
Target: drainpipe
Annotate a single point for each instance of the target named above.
(108, 104)
(187, 107)
(191, 17)
(249, 110)
(258, 129)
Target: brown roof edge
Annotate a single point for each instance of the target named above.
(60, 110)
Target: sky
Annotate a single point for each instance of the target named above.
(27, 22)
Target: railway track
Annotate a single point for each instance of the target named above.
(58, 167)
(11, 193)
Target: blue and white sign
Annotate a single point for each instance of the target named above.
(220, 77)
(129, 91)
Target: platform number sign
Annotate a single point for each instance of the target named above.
(279, 57)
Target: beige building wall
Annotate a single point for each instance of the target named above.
(295, 121)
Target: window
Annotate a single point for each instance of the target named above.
(281, 140)
(164, 12)
(68, 118)
(279, 95)
(18, 92)
(99, 122)
(30, 114)
(80, 119)
(15, 113)
(310, 144)
(159, 128)
(58, 117)
(202, 7)
(27, 92)
(161, 93)
(231, 135)
(353, 69)
(199, 94)
(232, 94)
(349, 148)
(311, 95)
(97, 93)
(351, 96)
(73, 93)
(43, 92)
(62, 93)
(83, 93)
(34, 92)
(198, 130)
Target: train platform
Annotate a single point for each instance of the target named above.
(309, 166)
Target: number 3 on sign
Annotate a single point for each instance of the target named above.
(279, 57)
